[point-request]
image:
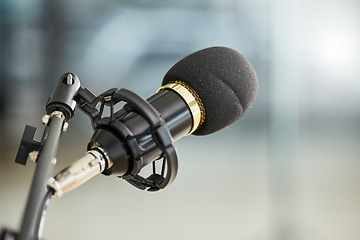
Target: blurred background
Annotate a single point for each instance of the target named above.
(289, 169)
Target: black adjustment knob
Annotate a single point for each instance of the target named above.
(27, 145)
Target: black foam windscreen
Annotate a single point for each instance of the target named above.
(224, 80)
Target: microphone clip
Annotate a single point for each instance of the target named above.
(94, 106)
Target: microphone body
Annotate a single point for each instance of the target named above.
(217, 82)
(172, 108)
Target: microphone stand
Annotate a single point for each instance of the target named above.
(44, 168)
(60, 108)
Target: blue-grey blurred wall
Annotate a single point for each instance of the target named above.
(289, 169)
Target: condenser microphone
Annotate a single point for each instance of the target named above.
(201, 94)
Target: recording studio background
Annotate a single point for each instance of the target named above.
(289, 169)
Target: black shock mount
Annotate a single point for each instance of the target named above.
(94, 107)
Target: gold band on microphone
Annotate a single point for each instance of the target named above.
(192, 100)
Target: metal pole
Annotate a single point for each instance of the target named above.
(43, 170)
